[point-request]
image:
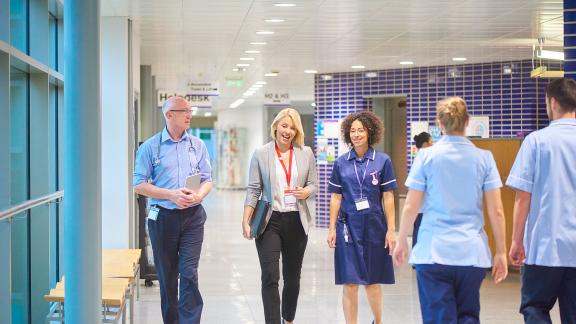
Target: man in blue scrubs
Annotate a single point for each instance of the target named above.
(176, 217)
(544, 231)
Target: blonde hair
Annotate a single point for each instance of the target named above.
(295, 117)
(452, 114)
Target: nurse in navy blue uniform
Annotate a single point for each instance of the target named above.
(362, 227)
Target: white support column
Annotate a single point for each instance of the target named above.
(116, 139)
(82, 163)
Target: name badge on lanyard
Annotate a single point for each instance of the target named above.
(289, 198)
(362, 202)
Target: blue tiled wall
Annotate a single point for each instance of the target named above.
(502, 90)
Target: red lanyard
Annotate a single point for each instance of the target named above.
(288, 172)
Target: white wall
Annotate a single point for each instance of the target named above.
(253, 119)
(116, 125)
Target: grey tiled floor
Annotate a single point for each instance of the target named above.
(230, 281)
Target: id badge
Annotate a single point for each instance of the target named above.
(153, 213)
(289, 198)
(362, 204)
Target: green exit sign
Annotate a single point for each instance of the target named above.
(234, 83)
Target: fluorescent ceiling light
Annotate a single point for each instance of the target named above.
(358, 67)
(242, 64)
(261, 82)
(551, 55)
(248, 93)
(286, 5)
(458, 59)
(207, 114)
(247, 59)
(274, 20)
(257, 86)
(258, 43)
(271, 74)
(264, 32)
(371, 74)
(236, 103)
(235, 69)
(310, 71)
(406, 63)
(252, 52)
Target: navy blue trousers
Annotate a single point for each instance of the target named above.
(176, 238)
(541, 286)
(449, 294)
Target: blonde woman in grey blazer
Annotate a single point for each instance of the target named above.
(282, 172)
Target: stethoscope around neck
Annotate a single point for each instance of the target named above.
(193, 170)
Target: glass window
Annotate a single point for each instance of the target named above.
(20, 270)
(19, 24)
(19, 89)
(53, 25)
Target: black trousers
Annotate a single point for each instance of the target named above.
(176, 237)
(541, 287)
(284, 236)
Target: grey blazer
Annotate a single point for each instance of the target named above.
(261, 178)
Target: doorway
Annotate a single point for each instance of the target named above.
(392, 110)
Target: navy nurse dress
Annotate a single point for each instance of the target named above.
(360, 256)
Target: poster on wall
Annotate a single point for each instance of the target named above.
(435, 133)
(417, 127)
(478, 126)
(326, 152)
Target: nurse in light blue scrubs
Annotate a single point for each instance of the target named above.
(447, 182)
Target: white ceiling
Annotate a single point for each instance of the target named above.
(202, 40)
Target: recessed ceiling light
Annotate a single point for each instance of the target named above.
(249, 93)
(406, 63)
(271, 74)
(243, 64)
(251, 52)
(459, 59)
(284, 5)
(194, 112)
(236, 103)
(274, 20)
(235, 69)
(261, 82)
(358, 67)
(257, 86)
(310, 71)
(258, 43)
(207, 114)
(264, 32)
(247, 59)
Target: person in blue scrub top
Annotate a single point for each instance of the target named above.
(176, 217)
(422, 140)
(362, 225)
(447, 182)
(544, 228)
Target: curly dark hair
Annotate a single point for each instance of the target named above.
(369, 120)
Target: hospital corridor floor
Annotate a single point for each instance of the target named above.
(229, 277)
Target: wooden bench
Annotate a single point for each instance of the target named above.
(123, 263)
(113, 301)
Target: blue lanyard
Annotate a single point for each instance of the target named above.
(363, 177)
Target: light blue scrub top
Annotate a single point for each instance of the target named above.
(546, 168)
(175, 162)
(453, 174)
